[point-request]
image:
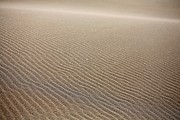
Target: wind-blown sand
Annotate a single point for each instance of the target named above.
(59, 63)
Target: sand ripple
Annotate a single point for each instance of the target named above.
(75, 66)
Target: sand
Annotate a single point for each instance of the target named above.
(68, 63)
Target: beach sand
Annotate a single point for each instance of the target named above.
(73, 63)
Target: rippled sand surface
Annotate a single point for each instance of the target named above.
(90, 60)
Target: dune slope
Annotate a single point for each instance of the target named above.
(71, 64)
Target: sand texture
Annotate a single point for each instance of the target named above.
(60, 63)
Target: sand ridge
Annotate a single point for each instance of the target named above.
(91, 12)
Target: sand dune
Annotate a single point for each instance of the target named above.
(68, 64)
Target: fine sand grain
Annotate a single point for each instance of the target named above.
(67, 64)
